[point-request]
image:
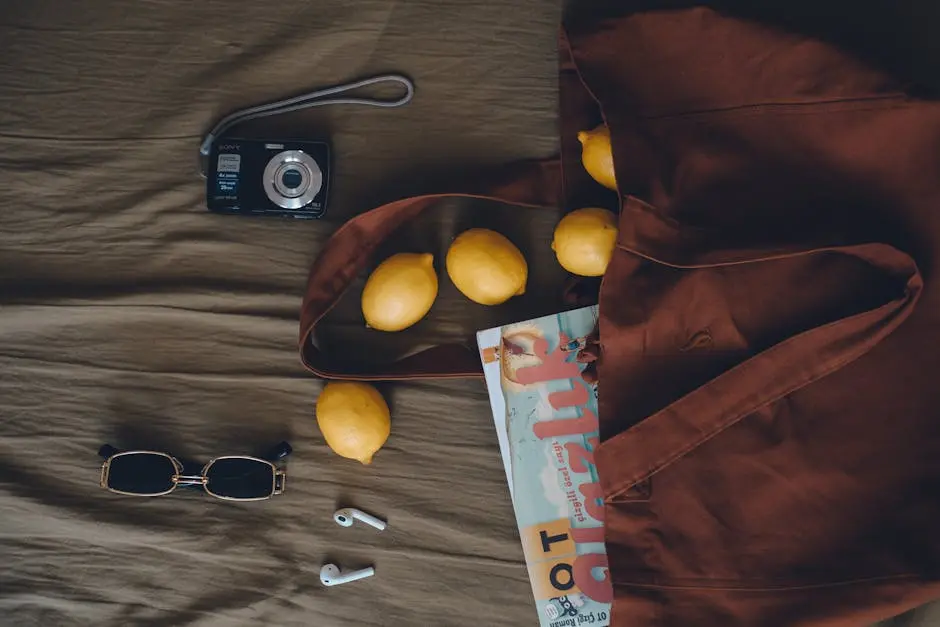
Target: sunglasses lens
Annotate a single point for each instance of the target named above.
(141, 473)
(240, 478)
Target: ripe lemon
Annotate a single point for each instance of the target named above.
(399, 292)
(584, 241)
(596, 156)
(354, 419)
(486, 267)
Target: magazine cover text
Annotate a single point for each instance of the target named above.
(546, 422)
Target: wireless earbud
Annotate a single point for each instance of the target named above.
(345, 517)
(331, 575)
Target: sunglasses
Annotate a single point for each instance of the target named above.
(233, 477)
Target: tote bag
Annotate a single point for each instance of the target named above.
(767, 361)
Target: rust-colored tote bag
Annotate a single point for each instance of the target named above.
(769, 325)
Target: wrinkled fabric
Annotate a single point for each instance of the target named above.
(130, 315)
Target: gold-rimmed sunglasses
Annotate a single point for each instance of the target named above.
(231, 477)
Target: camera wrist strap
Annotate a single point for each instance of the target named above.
(316, 98)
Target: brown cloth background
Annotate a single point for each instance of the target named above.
(131, 315)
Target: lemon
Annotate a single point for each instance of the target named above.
(596, 156)
(584, 241)
(486, 267)
(354, 419)
(399, 292)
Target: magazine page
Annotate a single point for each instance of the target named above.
(546, 423)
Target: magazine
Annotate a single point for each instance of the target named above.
(546, 423)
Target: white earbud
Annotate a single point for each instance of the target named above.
(345, 517)
(330, 575)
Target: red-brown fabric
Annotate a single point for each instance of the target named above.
(781, 404)
(768, 324)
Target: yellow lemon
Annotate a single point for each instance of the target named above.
(486, 267)
(596, 156)
(584, 241)
(399, 292)
(354, 419)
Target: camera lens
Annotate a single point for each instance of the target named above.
(292, 179)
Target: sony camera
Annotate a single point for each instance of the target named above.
(259, 177)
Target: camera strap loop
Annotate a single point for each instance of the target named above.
(316, 98)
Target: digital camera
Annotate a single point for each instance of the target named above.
(260, 177)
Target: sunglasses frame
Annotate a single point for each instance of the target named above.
(178, 479)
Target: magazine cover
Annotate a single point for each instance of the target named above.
(546, 422)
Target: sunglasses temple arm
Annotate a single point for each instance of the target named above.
(107, 451)
(279, 452)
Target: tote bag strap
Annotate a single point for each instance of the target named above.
(559, 182)
(533, 184)
(666, 436)
(733, 164)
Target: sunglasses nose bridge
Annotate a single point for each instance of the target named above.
(188, 480)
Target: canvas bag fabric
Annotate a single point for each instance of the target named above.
(768, 404)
